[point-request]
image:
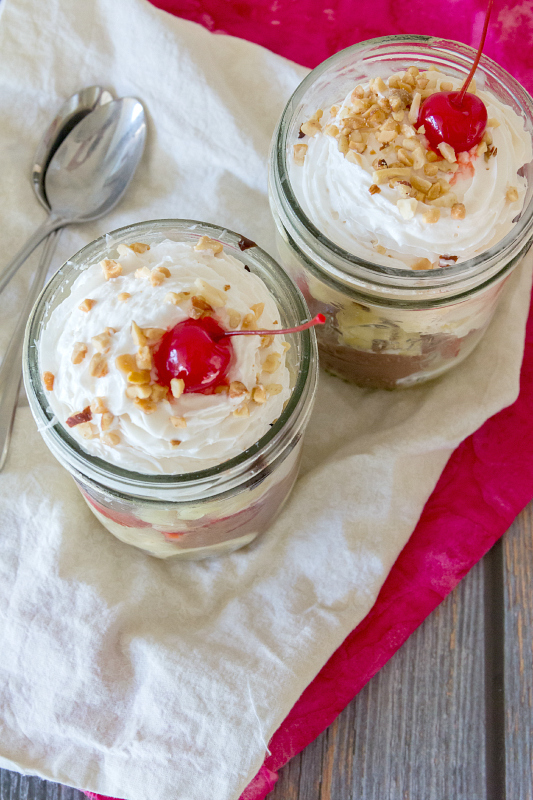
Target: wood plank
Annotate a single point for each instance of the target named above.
(518, 553)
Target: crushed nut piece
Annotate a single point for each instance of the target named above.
(141, 392)
(126, 363)
(144, 358)
(176, 297)
(227, 287)
(446, 86)
(139, 247)
(175, 442)
(98, 366)
(511, 194)
(237, 389)
(86, 305)
(422, 263)
(374, 189)
(178, 422)
(102, 342)
(384, 175)
(177, 387)
(153, 335)
(123, 296)
(447, 151)
(79, 351)
(354, 158)
(266, 341)
(407, 207)
(380, 249)
(146, 405)
(222, 389)
(415, 108)
(87, 430)
(138, 336)
(248, 322)
(107, 420)
(111, 268)
(242, 411)
(430, 170)
(205, 243)
(271, 362)
(274, 388)
(139, 376)
(98, 405)
(142, 272)
(259, 395)
(234, 318)
(80, 418)
(158, 392)
(493, 123)
(213, 296)
(257, 309)
(431, 215)
(458, 211)
(112, 438)
(157, 275)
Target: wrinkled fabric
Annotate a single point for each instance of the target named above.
(128, 676)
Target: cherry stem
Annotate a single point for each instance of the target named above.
(466, 84)
(318, 320)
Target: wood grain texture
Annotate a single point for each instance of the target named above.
(417, 730)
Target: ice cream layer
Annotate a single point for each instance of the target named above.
(334, 178)
(92, 327)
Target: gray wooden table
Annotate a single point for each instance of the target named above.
(450, 717)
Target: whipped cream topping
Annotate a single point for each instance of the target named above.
(146, 442)
(333, 190)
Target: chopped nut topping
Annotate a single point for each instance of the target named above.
(111, 268)
(431, 215)
(248, 322)
(445, 200)
(176, 297)
(329, 130)
(158, 392)
(140, 377)
(311, 127)
(300, 150)
(177, 387)
(178, 422)
(430, 170)
(107, 420)
(237, 389)
(98, 405)
(153, 335)
(147, 406)
(271, 362)
(374, 189)
(447, 151)
(205, 243)
(491, 151)
(79, 351)
(259, 395)
(431, 156)
(433, 191)
(144, 358)
(415, 108)
(266, 341)
(242, 411)
(157, 275)
(98, 366)
(126, 363)
(138, 336)
(421, 184)
(222, 389)
(141, 392)
(227, 287)
(81, 417)
(112, 438)
(380, 249)
(86, 305)
(175, 442)
(493, 123)
(214, 297)
(234, 318)
(422, 263)
(257, 310)
(511, 194)
(384, 175)
(139, 247)
(102, 342)
(123, 296)
(446, 86)
(200, 304)
(354, 158)
(142, 272)
(274, 388)
(407, 207)
(87, 430)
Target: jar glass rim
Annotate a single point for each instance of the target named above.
(349, 264)
(305, 378)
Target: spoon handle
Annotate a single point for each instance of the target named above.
(52, 223)
(11, 368)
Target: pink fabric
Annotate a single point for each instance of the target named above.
(489, 478)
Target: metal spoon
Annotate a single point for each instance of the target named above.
(90, 171)
(71, 112)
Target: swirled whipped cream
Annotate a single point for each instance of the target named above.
(96, 356)
(365, 176)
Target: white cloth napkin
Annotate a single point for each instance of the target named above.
(146, 679)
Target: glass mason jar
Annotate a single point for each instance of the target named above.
(197, 514)
(389, 327)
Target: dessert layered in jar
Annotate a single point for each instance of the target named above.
(184, 440)
(404, 245)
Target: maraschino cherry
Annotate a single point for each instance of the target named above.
(456, 118)
(199, 352)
